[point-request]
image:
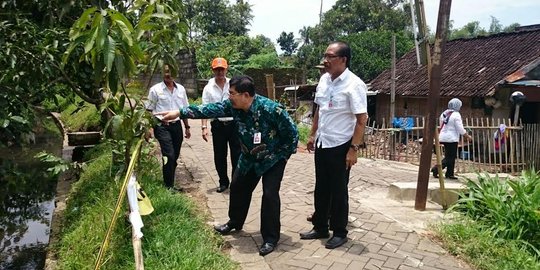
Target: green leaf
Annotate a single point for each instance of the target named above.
(109, 53)
(4, 123)
(119, 65)
(126, 34)
(18, 119)
(88, 46)
(102, 35)
(119, 17)
(161, 16)
(81, 22)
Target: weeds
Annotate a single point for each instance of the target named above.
(508, 208)
(499, 225)
(175, 234)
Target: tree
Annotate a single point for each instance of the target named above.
(29, 73)
(352, 20)
(511, 28)
(287, 43)
(236, 49)
(372, 51)
(473, 29)
(353, 16)
(111, 44)
(218, 17)
(495, 26)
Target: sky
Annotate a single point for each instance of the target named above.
(271, 17)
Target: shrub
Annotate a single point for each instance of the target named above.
(509, 209)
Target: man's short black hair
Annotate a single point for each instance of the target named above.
(243, 83)
(344, 51)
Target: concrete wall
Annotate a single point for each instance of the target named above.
(187, 73)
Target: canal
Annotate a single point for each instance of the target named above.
(27, 193)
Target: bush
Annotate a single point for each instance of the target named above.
(510, 209)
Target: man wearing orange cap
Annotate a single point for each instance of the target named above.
(223, 128)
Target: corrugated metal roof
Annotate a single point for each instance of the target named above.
(472, 67)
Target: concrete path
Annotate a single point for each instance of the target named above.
(383, 234)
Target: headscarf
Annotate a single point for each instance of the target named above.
(454, 104)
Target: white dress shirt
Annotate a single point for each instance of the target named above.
(212, 93)
(339, 101)
(160, 99)
(453, 129)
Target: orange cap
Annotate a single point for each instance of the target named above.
(219, 63)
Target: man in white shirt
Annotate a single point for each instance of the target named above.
(336, 136)
(166, 96)
(223, 128)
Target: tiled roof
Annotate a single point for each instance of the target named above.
(472, 67)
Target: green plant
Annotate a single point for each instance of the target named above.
(197, 101)
(303, 133)
(175, 234)
(57, 165)
(471, 241)
(81, 116)
(509, 209)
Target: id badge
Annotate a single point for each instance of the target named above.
(257, 138)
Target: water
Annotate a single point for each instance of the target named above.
(27, 204)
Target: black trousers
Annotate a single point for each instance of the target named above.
(242, 187)
(223, 134)
(170, 139)
(450, 155)
(331, 189)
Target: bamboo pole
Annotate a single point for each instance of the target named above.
(118, 206)
(137, 250)
(439, 169)
(435, 71)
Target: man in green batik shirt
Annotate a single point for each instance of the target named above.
(267, 137)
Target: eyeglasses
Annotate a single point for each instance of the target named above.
(330, 56)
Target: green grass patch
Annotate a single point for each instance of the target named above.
(81, 118)
(303, 133)
(477, 245)
(497, 224)
(175, 234)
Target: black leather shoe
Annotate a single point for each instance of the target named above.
(221, 188)
(266, 248)
(225, 228)
(335, 242)
(435, 172)
(451, 177)
(313, 234)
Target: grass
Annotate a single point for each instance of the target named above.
(175, 234)
(85, 118)
(497, 224)
(477, 245)
(303, 133)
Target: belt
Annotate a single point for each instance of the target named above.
(222, 122)
(170, 122)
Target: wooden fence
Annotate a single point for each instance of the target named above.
(492, 149)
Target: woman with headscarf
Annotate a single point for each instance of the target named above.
(450, 130)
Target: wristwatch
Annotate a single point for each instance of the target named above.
(355, 147)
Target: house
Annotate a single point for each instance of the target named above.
(483, 72)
